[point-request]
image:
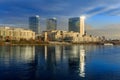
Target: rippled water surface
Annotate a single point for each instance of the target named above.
(75, 62)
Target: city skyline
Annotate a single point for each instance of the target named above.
(100, 14)
(94, 9)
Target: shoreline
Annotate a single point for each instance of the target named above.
(53, 43)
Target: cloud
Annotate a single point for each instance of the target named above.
(54, 7)
(115, 12)
(95, 7)
(104, 10)
(111, 31)
(57, 7)
(18, 11)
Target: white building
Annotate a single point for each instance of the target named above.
(82, 25)
(16, 33)
(75, 37)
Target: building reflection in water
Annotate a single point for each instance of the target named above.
(76, 60)
(53, 62)
(70, 58)
(17, 53)
(82, 61)
(17, 62)
(58, 53)
(45, 62)
(45, 47)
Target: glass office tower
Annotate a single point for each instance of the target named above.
(77, 25)
(34, 23)
(51, 24)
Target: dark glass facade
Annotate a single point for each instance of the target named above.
(34, 23)
(74, 24)
(51, 24)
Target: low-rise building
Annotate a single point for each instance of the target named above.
(59, 35)
(7, 33)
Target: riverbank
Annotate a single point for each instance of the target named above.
(2, 43)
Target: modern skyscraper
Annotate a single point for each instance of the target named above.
(77, 24)
(34, 23)
(82, 25)
(51, 24)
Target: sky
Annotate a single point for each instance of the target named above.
(99, 13)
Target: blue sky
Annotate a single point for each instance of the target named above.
(99, 13)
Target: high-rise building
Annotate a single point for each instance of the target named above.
(82, 25)
(77, 24)
(34, 23)
(51, 24)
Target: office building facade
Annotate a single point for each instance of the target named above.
(51, 24)
(77, 25)
(34, 24)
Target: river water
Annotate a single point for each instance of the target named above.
(60, 62)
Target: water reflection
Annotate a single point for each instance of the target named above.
(76, 60)
(15, 62)
(82, 61)
(49, 62)
(17, 53)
